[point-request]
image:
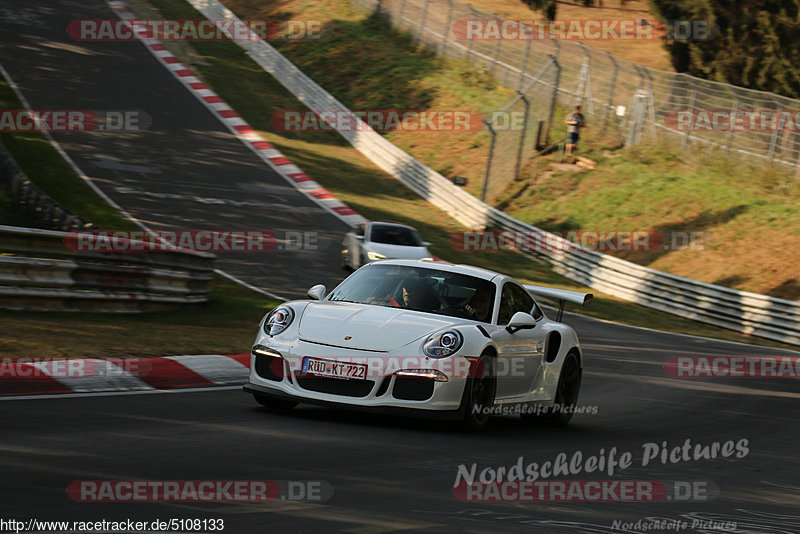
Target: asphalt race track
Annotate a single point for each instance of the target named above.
(379, 473)
(397, 474)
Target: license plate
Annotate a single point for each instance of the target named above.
(334, 369)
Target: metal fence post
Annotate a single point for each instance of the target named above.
(774, 138)
(634, 120)
(524, 64)
(488, 160)
(553, 99)
(729, 141)
(472, 40)
(518, 165)
(651, 108)
(446, 30)
(585, 81)
(496, 48)
(422, 21)
(611, 89)
(691, 108)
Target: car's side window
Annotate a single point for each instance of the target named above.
(506, 305)
(362, 228)
(515, 299)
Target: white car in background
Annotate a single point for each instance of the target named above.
(372, 241)
(420, 337)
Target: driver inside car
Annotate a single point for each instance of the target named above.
(417, 295)
(478, 307)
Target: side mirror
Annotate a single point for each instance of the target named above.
(317, 292)
(426, 243)
(360, 237)
(520, 321)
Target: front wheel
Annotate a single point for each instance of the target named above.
(479, 393)
(272, 403)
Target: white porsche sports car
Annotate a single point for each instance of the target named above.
(421, 337)
(372, 241)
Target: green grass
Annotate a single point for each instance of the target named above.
(746, 213)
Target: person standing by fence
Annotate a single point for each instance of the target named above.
(574, 121)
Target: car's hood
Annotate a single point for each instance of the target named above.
(401, 252)
(369, 327)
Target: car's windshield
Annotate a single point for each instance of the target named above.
(421, 289)
(394, 235)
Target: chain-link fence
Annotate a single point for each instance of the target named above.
(517, 129)
(621, 97)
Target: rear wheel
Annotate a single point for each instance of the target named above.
(479, 393)
(569, 383)
(272, 403)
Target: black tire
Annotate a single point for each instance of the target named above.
(569, 384)
(479, 393)
(280, 405)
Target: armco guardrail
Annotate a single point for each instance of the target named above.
(30, 199)
(39, 272)
(745, 312)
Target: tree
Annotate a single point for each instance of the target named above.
(548, 7)
(753, 43)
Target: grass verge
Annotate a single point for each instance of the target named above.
(226, 324)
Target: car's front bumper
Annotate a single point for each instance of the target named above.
(282, 377)
(457, 414)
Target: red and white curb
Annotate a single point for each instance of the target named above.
(237, 125)
(39, 376)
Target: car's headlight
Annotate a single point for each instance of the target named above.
(375, 256)
(443, 344)
(278, 320)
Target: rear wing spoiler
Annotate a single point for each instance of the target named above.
(561, 295)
